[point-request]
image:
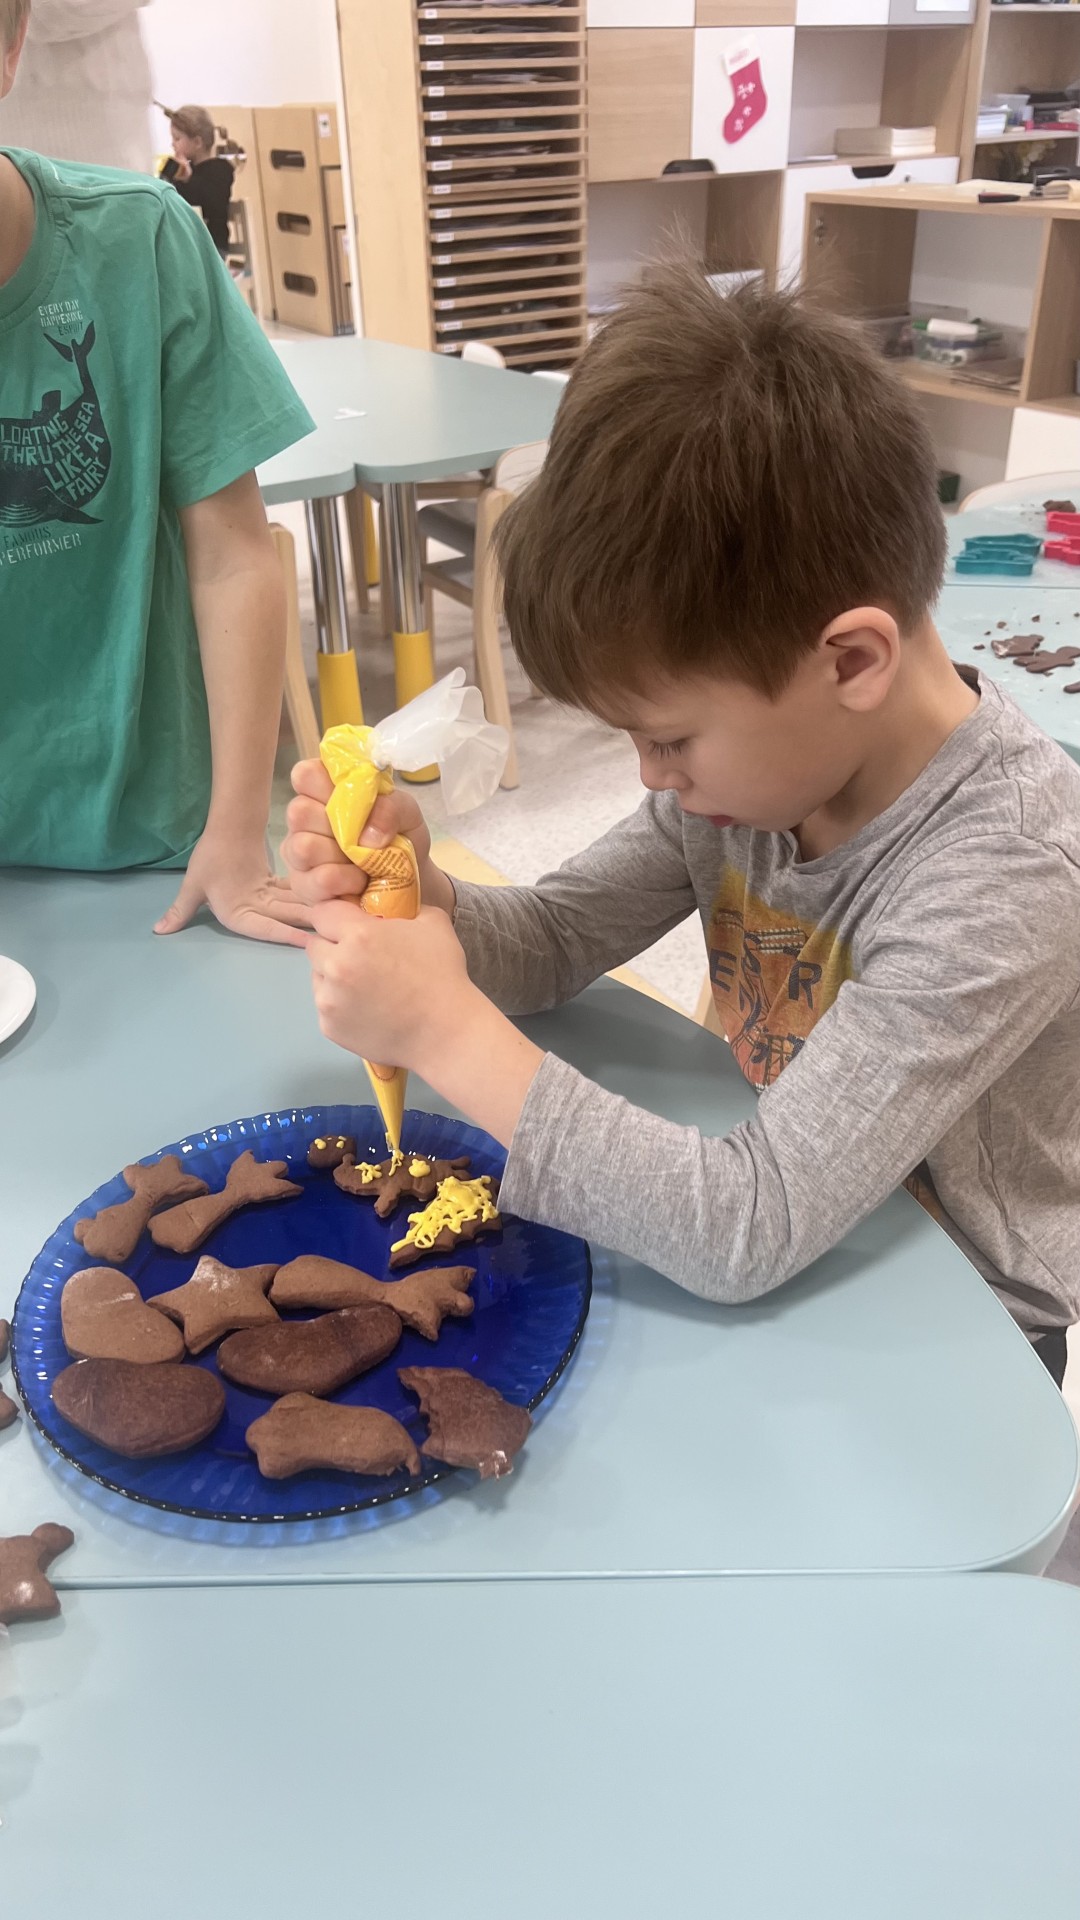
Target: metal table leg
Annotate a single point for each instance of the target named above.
(339, 682)
(413, 664)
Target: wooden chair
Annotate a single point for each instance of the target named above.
(470, 575)
(299, 704)
(366, 549)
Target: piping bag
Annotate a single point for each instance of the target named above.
(444, 726)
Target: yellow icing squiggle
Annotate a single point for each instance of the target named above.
(456, 1202)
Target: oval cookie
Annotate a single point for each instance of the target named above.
(139, 1410)
(310, 1356)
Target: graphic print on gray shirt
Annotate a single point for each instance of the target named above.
(909, 1004)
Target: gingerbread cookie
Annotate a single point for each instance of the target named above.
(25, 1593)
(1058, 506)
(103, 1317)
(422, 1299)
(113, 1233)
(248, 1182)
(460, 1210)
(217, 1300)
(8, 1410)
(1046, 662)
(329, 1150)
(470, 1424)
(140, 1411)
(1020, 647)
(300, 1432)
(403, 1176)
(310, 1356)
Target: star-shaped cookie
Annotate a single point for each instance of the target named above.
(217, 1300)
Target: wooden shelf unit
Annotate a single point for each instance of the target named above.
(860, 251)
(468, 141)
(1016, 49)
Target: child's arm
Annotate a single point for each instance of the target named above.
(529, 948)
(239, 605)
(950, 996)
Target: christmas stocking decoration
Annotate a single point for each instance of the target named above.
(743, 64)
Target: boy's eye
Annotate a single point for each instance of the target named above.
(660, 749)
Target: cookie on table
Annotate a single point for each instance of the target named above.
(25, 1592)
(329, 1150)
(113, 1234)
(248, 1182)
(8, 1409)
(103, 1317)
(310, 1356)
(423, 1299)
(403, 1176)
(470, 1424)
(460, 1211)
(140, 1411)
(217, 1300)
(301, 1432)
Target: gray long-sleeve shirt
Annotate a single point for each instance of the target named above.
(909, 1005)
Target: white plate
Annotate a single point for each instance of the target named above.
(17, 996)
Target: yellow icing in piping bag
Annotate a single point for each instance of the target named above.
(393, 889)
(444, 725)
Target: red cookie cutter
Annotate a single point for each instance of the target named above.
(1067, 550)
(1063, 523)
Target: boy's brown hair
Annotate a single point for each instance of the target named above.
(12, 15)
(725, 477)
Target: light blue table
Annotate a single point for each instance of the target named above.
(819, 1749)
(390, 416)
(971, 607)
(881, 1412)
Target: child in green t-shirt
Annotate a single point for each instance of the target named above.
(142, 612)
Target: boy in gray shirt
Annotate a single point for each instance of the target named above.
(732, 553)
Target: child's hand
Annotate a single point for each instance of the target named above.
(319, 871)
(388, 990)
(231, 877)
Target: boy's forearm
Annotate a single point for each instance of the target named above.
(238, 599)
(484, 1066)
(531, 948)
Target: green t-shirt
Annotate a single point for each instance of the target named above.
(133, 382)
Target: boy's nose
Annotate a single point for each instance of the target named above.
(661, 779)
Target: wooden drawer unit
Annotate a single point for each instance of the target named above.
(640, 89)
(303, 195)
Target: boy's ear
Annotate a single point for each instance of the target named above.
(9, 58)
(861, 653)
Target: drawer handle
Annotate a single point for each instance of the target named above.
(294, 223)
(874, 173)
(300, 283)
(287, 157)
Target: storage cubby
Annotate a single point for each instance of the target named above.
(467, 126)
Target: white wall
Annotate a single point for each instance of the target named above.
(630, 222)
(258, 53)
(836, 82)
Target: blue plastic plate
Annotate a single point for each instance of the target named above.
(531, 1291)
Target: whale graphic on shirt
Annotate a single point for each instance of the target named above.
(57, 460)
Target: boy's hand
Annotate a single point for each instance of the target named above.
(319, 871)
(399, 991)
(374, 983)
(232, 879)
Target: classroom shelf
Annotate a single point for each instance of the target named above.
(1016, 136)
(471, 210)
(1057, 11)
(1061, 403)
(925, 378)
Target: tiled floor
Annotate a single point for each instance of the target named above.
(577, 779)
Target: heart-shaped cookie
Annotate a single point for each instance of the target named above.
(103, 1317)
(140, 1411)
